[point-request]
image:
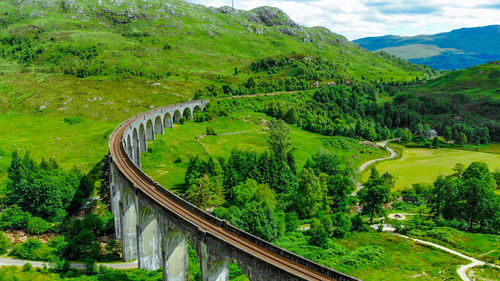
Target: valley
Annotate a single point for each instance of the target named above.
(271, 160)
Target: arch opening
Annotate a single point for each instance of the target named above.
(158, 126)
(177, 257)
(142, 138)
(167, 121)
(149, 240)
(187, 113)
(150, 135)
(129, 226)
(129, 147)
(197, 112)
(136, 155)
(177, 116)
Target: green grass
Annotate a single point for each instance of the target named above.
(80, 145)
(484, 273)
(180, 142)
(401, 259)
(485, 247)
(422, 165)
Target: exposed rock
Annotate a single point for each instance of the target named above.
(271, 17)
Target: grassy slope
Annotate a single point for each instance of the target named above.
(422, 165)
(401, 259)
(180, 142)
(206, 45)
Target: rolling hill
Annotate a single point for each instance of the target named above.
(457, 49)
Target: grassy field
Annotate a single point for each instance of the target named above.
(484, 247)
(397, 258)
(484, 273)
(180, 142)
(422, 165)
(82, 144)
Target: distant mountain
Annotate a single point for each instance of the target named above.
(457, 49)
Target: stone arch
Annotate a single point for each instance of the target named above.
(196, 111)
(142, 138)
(187, 113)
(176, 260)
(177, 116)
(136, 155)
(128, 225)
(167, 121)
(150, 134)
(158, 126)
(149, 240)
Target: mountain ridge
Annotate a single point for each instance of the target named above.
(457, 49)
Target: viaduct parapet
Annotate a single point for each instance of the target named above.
(155, 225)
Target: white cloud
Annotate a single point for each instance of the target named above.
(362, 18)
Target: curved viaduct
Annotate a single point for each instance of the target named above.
(154, 224)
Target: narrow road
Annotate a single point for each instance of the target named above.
(383, 144)
(75, 265)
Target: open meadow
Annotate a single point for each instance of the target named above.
(424, 165)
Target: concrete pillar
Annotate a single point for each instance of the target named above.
(128, 226)
(149, 241)
(176, 258)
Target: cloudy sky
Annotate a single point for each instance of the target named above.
(362, 18)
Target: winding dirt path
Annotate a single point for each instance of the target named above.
(382, 144)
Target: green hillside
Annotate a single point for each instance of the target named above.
(471, 95)
(82, 49)
(457, 49)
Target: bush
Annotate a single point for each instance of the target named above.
(211, 131)
(33, 249)
(319, 236)
(37, 225)
(363, 256)
(4, 243)
(14, 218)
(341, 225)
(27, 267)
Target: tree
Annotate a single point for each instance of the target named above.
(280, 138)
(319, 236)
(374, 194)
(435, 142)
(4, 243)
(463, 138)
(447, 135)
(419, 130)
(260, 220)
(205, 193)
(311, 194)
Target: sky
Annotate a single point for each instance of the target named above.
(364, 18)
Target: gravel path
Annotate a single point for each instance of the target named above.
(383, 144)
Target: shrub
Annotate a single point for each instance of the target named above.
(319, 236)
(4, 243)
(27, 267)
(37, 225)
(341, 224)
(13, 218)
(32, 249)
(73, 120)
(211, 131)
(362, 256)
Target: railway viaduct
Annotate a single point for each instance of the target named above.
(155, 225)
